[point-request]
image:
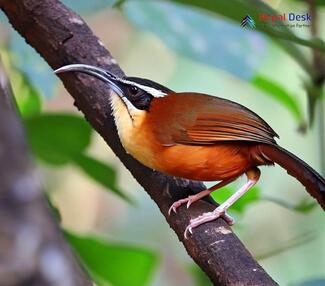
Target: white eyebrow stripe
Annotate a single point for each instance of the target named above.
(154, 92)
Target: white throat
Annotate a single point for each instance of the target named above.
(126, 117)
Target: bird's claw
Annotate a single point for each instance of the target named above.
(172, 209)
(177, 204)
(188, 201)
(188, 231)
(206, 217)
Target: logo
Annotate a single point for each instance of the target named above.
(290, 20)
(248, 22)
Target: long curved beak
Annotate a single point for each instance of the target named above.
(99, 73)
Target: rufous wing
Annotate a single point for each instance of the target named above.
(198, 119)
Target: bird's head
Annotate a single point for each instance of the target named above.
(136, 93)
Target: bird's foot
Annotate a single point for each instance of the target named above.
(206, 217)
(188, 201)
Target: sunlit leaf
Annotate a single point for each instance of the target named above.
(276, 91)
(115, 263)
(101, 173)
(27, 96)
(250, 197)
(57, 138)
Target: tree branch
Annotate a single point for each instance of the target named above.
(32, 248)
(62, 37)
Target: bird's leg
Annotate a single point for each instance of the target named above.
(252, 176)
(193, 198)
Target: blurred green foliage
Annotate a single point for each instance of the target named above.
(304, 206)
(239, 206)
(280, 94)
(193, 34)
(115, 263)
(235, 10)
(58, 138)
(27, 96)
(29, 101)
(317, 2)
(101, 172)
(254, 196)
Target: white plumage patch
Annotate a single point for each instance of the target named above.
(154, 92)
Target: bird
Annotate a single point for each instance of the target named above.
(197, 137)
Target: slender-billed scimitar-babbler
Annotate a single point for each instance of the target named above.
(198, 137)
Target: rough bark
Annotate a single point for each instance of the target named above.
(62, 37)
(32, 248)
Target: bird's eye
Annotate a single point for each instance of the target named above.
(133, 90)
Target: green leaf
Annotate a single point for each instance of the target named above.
(27, 96)
(276, 91)
(115, 263)
(314, 93)
(57, 138)
(317, 3)
(250, 197)
(118, 4)
(101, 173)
(236, 10)
(304, 206)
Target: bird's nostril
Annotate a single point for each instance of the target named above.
(110, 75)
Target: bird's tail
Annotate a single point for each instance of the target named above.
(306, 175)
